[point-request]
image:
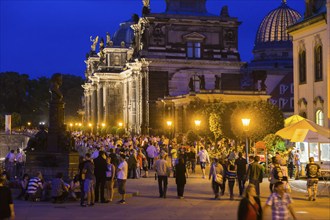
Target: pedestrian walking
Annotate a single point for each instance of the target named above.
(122, 172)
(250, 207)
(203, 159)
(217, 174)
(297, 164)
(255, 174)
(100, 169)
(290, 163)
(312, 173)
(280, 202)
(89, 183)
(180, 178)
(241, 166)
(110, 179)
(162, 171)
(231, 175)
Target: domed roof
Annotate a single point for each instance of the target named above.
(273, 28)
(124, 33)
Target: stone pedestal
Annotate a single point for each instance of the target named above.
(50, 163)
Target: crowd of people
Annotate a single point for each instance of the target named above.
(109, 161)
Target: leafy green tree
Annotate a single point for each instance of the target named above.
(274, 143)
(192, 137)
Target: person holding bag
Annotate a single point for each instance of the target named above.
(217, 173)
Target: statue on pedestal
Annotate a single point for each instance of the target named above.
(54, 89)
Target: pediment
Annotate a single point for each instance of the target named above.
(194, 36)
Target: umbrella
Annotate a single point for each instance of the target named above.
(292, 120)
(305, 131)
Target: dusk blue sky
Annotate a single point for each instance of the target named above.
(43, 37)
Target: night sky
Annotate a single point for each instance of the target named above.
(43, 37)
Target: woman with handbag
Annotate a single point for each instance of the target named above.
(217, 174)
(249, 207)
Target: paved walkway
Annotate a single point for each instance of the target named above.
(197, 204)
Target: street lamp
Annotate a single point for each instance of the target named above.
(90, 125)
(29, 124)
(246, 123)
(169, 125)
(120, 124)
(198, 123)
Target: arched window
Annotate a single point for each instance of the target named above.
(302, 67)
(318, 63)
(319, 117)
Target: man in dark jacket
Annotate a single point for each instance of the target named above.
(241, 172)
(100, 175)
(255, 174)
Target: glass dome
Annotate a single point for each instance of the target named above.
(273, 28)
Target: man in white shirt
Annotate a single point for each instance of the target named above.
(203, 159)
(122, 171)
(151, 154)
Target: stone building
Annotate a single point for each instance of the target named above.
(176, 60)
(311, 57)
(311, 50)
(272, 66)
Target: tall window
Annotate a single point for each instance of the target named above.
(318, 63)
(302, 67)
(193, 49)
(319, 117)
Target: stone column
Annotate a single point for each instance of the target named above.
(106, 103)
(184, 119)
(176, 119)
(93, 106)
(99, 103)
(86, 106)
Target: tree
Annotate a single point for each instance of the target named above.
(225, 119)
(274, 143)
(192, 137)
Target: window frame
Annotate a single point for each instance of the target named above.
(302, 67)
(318, 64)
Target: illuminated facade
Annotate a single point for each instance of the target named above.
(311, 53)
(175, 59)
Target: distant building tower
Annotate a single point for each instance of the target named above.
(272, 66)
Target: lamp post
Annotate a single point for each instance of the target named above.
(90, 125)
(246, 123)
(169, 125)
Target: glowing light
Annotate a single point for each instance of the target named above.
(169, 123)
(198, 122)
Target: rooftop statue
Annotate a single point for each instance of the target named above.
(54, 89)
(224, 12)
(93, 47)
(146, 7)
(108, 40)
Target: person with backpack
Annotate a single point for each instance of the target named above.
(276, 174)
(312, 173)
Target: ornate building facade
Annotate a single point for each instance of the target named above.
(311, 52)
(176, 60)
(272, 66)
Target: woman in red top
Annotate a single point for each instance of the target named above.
(250, 207)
